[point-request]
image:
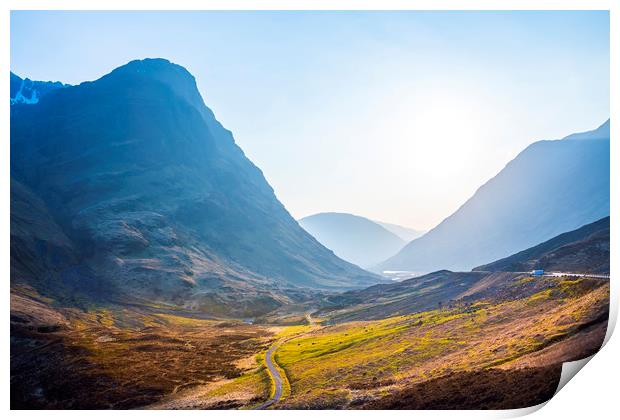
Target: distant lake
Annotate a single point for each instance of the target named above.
(400, 275)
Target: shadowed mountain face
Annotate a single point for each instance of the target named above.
(353, 238)
(151, 195)
(585, 250)
(550, 188)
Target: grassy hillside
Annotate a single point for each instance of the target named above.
(405, 297)
(352, 364)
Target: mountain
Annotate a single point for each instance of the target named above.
(584, 250)
(39, 247)
(551, 187)
(144, 196)
(26, 91)
(405, 233)
(400, 298)
(353, 238)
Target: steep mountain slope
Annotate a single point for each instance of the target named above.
(584, 250)
(26, 91)
(39, 248)
(549, 188)
(405, 233)
(353, 238)
(157, 199)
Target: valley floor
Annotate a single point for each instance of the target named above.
(479, 351)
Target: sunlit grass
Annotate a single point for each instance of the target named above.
(375, 354)
(186, 321)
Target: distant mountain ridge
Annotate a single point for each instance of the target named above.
(156, 201)
(405, 233)
(550, 188)
(353, 238)
(584, 250)
(26, 91)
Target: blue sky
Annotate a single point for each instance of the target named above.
(396, 116)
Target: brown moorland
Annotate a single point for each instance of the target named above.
(121, 358)
(498, 346)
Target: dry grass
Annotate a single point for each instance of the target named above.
(365, 360)
(124, 359)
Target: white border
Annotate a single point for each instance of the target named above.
(592, 395)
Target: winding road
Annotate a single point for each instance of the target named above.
(274, 372)
(555, 274)
(560, 274)
(275, 375)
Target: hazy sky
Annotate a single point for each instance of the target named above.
(396, 116)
